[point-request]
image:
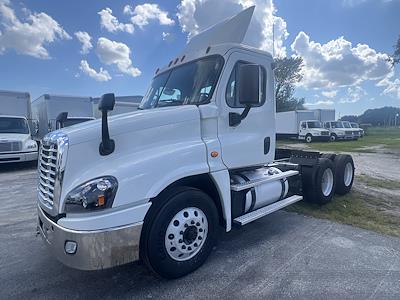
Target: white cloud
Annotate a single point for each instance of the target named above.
(339, 64)
(85, 39)
(29, 36)
(165, 35)
(102, 75)
(197, 15)
(329, 94)
(111, 23)
(142, 14)
(111, 52)
(392, 86)
(321, 102)
(354, 94)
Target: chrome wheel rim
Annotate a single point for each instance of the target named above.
(186, 234)
(308, 139)
(348, 174)
(327, 182)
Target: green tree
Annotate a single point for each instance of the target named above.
(287, 73)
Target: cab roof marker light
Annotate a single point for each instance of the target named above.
(176, 60)
(158, 70)
(170, 63)
(208, 49)
(183, 57)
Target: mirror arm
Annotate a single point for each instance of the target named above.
(235, 119)
(107, 145)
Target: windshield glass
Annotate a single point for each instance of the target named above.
(191, 83)
(14, 125)
(354, 125)
(337, 125)
(314, 124)
(346, 125)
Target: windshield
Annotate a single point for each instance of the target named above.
(346, 125)
(314, 124)
(337, 125)
(14, 125)
(354, 125)
(190, 83)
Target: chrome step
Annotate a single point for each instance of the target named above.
(249, 184)
(266, 210)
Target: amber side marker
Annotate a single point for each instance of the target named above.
(214, 154)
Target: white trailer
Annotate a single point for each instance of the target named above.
(324, 115)
(47, 108)
(300, 124)
(123, 104)
(15, 104)
(201, 153)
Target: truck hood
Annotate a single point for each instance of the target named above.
(318, 130)
(14, 137)
(133, 121)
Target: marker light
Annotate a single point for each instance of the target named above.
(70, 247)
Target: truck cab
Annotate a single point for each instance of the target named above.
(16, 144)
(338, 131)
(313, 130)
(155, 184)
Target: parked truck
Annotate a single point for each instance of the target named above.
(123, 104)
(300, 124)
(156, 183)
(16, 144)
(338, 131)
(47, 108)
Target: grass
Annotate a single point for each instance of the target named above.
(379, 183)
(389, 138)
(352, 209)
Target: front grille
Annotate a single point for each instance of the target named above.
(349, 133)
(10, 146)
(47, 174)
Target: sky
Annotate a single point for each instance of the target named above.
(88, 48)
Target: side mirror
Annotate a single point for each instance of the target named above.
(106, 104)
(249, 83)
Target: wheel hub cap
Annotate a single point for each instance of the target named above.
(186, 234)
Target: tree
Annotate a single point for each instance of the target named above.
(287, 73)
(395, 58)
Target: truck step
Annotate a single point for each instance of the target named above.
(252, 183)
(266, 210)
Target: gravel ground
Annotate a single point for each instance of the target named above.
(282, 256)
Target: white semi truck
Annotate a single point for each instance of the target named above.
(47, 108)
(16, 144)
(200, 153)
(300, 124)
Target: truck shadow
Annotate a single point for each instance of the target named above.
(17, 166)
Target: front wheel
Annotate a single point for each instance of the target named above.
(180, 234)
(308, 138)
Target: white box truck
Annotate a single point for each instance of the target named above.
(123, 104)
(156, 183)
(47, 108)
(300, 124)
(16, 144)
(324, 115)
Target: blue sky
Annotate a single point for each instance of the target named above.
(344, 45)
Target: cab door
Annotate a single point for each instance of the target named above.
(252, 142)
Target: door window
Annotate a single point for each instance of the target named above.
(231, 95)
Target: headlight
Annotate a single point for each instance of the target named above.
(316, 133)
(96, 194)
(31, 145)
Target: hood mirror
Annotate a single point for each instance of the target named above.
(106, 104)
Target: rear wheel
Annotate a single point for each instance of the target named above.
(344, 173)
(319, 182)
(180, 232)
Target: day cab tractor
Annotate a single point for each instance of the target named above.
(156, 183)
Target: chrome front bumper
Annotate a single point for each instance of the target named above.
(96, 250)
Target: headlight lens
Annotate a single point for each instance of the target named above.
(96, 194)
(32, 145)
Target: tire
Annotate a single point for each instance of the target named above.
(173, 242)
(319, 182)
(308, 138)
(344, 173)
(333, 137)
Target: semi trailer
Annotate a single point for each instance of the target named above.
(16, 144)
(300, 124)
(47, 108)
(155, 184)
